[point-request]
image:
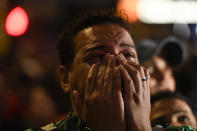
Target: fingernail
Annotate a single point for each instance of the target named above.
(74, 96)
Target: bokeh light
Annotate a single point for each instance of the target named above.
(16, 22)
(129, 6)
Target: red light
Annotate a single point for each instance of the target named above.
(16, 22)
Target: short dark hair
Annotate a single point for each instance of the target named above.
(168, 94)
(65, 45)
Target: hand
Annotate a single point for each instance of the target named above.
(103, 106)
(136, 95)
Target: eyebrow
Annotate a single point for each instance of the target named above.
(127, 45)
(101, 47)
(163, 117)
(96, 47)
(179, 111)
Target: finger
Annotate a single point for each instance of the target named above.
(134, 74)
(147, 75)
(90, 81)
(101, 73)
(108, 78)
(129, 87)
(146, 91)
(142, 73)
(141, 69)
(117, 85)
(77, 101)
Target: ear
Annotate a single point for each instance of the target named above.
(63, 75)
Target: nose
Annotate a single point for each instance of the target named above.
(114, 50)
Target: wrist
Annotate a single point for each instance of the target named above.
(139, 127)
(146, 127)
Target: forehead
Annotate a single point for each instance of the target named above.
(168, 102)
(170, 105)
(103, 32)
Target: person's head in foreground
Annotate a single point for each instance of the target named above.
(173, 109)
(160, 58)
(100, 68)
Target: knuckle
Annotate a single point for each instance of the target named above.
(136, 98)
(147, 71)
(127, 81)
(99, 81)
(141, 68)
(127, 89)
(99, 75)
(107, 78)
(137, 73)
(91, 99)
(138, 67)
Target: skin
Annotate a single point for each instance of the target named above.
(162, 78)
(106, 80)
(179, 114)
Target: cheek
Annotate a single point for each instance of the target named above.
(79, 75)
(171, 81)
(153, 82)
(137, 61)
(194, 123)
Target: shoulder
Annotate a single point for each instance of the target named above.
(49, 127)
(52, 126)
(70, 123)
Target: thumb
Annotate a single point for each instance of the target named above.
(77, 103)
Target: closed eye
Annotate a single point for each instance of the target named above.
(129, 55)
(91, 58)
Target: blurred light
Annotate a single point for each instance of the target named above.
(167, 11)
(182, 30)
(16, 22)
(31, 67)
(129, 6)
